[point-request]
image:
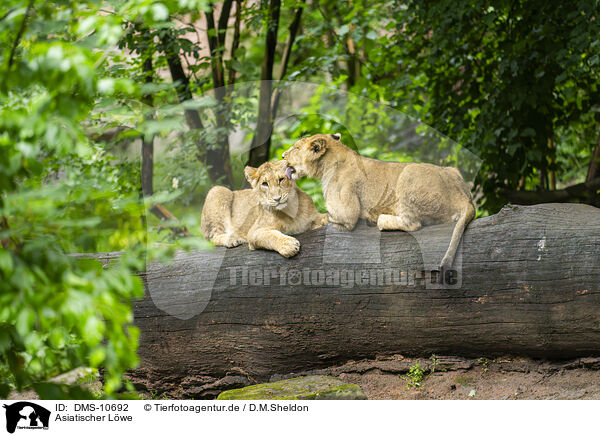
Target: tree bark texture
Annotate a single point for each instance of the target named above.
(527, 284)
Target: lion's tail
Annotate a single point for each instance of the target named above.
(467, 215)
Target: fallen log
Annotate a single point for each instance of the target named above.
(527, 283)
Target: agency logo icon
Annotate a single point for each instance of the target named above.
(26, 415)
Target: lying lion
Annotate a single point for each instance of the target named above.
(263, 216)
(397, 196)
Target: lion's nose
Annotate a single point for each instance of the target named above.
(277, 199)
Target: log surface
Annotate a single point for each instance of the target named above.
(528, 284)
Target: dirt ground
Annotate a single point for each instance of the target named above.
(452, 378)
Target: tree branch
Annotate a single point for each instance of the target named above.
(213, 47)
(164, 215)
(182, 84)
(292, 32)
(236, 41)
(223, 20)
(20, 33)
(7, 13)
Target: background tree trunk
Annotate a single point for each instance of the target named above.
(530, 287)
(216, 43)
(285, 58)
(216, 158)
(594, 172)
(147, 173)
(261, 142)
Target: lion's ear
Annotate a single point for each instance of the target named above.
(318, 146)
(336, 136)
(251, 175)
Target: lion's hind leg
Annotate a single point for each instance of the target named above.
(216, 218)
(398, 222)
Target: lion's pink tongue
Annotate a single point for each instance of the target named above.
(289, 171)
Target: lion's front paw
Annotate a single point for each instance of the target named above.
(288, 247)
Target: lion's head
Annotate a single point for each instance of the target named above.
(274, 189)
(303, 157)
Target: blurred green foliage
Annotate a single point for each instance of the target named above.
(63, 193)
(516, 82)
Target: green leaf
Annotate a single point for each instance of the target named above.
(25, 320)
(159, 12)
(371, 34)
(528, 132)
(87, 264)
(6, 261)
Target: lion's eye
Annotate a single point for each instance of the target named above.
(265, 184)
(280, 180)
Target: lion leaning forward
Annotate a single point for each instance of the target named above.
(397, 196)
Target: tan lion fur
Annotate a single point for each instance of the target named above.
(396, 196)
(263, 216)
